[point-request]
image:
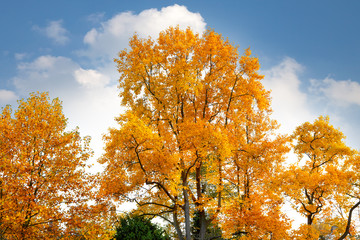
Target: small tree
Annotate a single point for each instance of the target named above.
(321, 178)
(42, 170)
(138, 228)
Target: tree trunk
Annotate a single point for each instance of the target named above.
(203, 225)
(187, 215)
(177, 225)
(202, 214)
(309, 219)
(186, 207)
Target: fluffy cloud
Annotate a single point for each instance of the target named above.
(343, 93)
(55, 31)
(114, 34)
(7, 97)
(289, 103)
(91, 78)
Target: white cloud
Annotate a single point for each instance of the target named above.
(91, 78)
(289, 103)
(7, 96)
(344, 92)
(113, 35)
(55, 31)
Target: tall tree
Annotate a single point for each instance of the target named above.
(43, 183)
(184, 93)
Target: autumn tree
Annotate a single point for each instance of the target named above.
(43, 184)
(319, 178)
(195, 110)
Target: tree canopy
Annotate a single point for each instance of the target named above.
(197, 135)
(44, 188)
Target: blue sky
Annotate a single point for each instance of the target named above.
(309, 52)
